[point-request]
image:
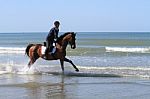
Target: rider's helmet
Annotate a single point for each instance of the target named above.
(56, 23)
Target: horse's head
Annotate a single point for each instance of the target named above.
(69, 38)
(72, 40)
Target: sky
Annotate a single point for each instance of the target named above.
(75, 15)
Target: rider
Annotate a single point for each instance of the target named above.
(51, 38)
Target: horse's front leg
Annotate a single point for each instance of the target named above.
(62, 65)
(67, 60)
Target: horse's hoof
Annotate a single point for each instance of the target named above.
(77, 70)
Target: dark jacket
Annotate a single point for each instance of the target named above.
(53, 34)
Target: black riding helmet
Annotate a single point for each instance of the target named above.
(56, 22)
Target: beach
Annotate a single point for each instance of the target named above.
(112, 65)
(71, 87)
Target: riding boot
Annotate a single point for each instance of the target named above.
(51, 52)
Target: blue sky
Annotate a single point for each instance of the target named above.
(75, 15)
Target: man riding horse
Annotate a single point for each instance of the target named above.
(34, 51)
(51, 39)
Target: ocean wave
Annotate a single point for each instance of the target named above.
(12, 50)
(128, 49)
(142, 72)
(21, 50)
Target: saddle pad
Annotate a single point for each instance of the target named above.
(43, 49)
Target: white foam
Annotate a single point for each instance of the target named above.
(27, 70)
(4, 72)
(85, 71)
(115, 68)
(128, 49)
(12, 50)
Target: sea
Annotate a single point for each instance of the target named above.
(112, 65)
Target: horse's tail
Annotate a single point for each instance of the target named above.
(27, 49)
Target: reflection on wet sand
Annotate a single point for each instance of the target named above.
(34, 87)
(56, 91)
(45, 90)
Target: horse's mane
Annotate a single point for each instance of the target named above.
(63, 35)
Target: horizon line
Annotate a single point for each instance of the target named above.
(79, 31)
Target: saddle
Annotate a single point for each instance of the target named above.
(43, 49)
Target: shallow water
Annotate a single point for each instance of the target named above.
(112, 66)
(70, 87)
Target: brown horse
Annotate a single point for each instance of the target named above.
(34, 50)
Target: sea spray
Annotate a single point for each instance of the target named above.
(27, 70)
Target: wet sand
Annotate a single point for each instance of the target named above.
(15, 86)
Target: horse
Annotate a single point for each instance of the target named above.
(34, 51)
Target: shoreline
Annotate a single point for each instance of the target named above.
(66, 87)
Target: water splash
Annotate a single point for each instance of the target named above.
(27, 70)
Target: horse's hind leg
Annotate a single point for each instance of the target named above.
(31, 62)
(33, 58)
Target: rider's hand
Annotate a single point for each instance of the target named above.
(54, 40)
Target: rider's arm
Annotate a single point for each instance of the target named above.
(55, 34)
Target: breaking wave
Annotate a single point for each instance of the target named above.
(142, 72)
(12, 50)
(21, 50)
(128, 49)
